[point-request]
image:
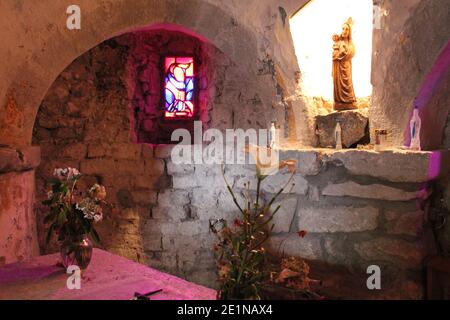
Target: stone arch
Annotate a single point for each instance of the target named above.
(403, 55)
(46, 49)
(29, 82)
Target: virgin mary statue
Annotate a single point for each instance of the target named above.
(343, 52)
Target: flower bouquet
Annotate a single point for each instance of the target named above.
(72, 216)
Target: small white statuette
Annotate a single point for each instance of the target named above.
(338, 136)
(415, 125)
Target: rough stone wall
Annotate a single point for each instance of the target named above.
(406, 47)
(18, 237)
(355, 215)
(35, 56)
(244, 31)
(90, 119)
(442, 98)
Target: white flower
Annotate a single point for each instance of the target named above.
(50, 194)
(98, 192)
(98, 216)
(90, 209)
(72, 172)
(67, 173)
(60, 173)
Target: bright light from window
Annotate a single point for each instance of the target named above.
(312, 29)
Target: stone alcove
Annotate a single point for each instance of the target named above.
(28, 81)
(99, 116)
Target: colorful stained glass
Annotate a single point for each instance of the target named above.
(179, 87)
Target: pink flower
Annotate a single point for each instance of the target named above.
(301, 233)
(237, 223)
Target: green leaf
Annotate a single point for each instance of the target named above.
(95, 236)
(47, 202)
(62, 217)
(56, 187)
(49, 233)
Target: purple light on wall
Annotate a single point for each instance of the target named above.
(434, 165)
(430, 85)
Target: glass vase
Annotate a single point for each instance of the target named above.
(76, 251)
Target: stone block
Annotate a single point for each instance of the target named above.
(391, 165)
(336, 250)
(313, 193)
(72, 108)
(399, 252)
(22, 159)
(153, 167)
(179, 169)
(292, 245)
(172, 205)
(126, 151)
(163, 151)
(274, 183)
(144, 181)
(283, 218)
(308, 161)
(98, 150)
(205, 198)
(168, 212)
(135, 167)
(147, 151)
(185, 229)
(246, 182)
(75, 151)
(353, 124)
(370, 191)
(145, 197)
(98, 166)
(197, 180)
(337, 219)
(226, 203)
(18, 238)
(404, 223)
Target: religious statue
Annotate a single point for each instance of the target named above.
(343, 52)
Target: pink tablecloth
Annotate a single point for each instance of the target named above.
(108, 277)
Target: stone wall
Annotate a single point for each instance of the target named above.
(404, 56)
(161, 211)
(92, 117)
(356, 211)
(18, 238)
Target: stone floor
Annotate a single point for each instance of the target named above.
(108, 277)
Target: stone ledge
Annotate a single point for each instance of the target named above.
(370, 191)
(394, 165)
(22, 159)
(337, 219)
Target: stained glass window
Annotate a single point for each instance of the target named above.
(179, 87)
